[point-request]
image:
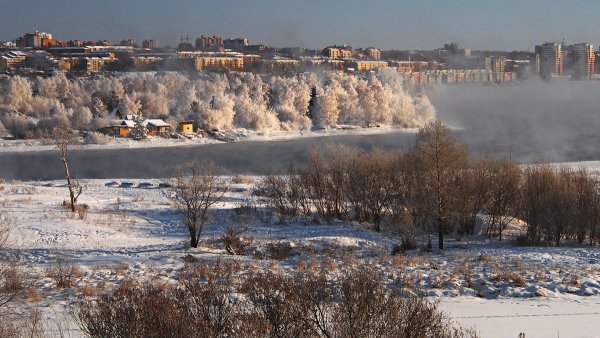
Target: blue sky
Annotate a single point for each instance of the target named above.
(388, 24)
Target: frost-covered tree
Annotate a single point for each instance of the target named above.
(81, 118)
(224, 101)
(130, 105)
(327, 109)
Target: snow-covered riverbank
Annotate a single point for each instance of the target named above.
(131, 232)
(240, 135)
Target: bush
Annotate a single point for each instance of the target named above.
(279, 250)
(63, 272)
(202, 304)
(20, 127)
(234, 242)
(93, 137)
(242, 180)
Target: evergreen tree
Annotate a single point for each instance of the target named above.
(312, 103)
(139, 131)
(212, 102)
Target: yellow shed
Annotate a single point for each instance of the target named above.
(186, 127)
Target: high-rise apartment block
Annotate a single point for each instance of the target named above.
(236, 45)
(150, 44)
(495, 64)
(128, 42)
(207, 43)
(582, 60)
(550, 59)
(35, 40)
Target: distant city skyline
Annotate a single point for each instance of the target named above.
(386, 24)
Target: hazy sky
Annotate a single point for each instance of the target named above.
(387, 24)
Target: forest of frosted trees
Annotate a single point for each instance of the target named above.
(213, 101)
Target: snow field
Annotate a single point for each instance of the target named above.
(131, 232)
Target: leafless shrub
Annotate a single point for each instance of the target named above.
(277, 305)
(305, 304)
(279, 250)
(242, 180)
(82, 210)
(12, 281)
(63, 272)
(93, 137)
(133, 310)
(281, 194)
(206, 290)
(234, 242)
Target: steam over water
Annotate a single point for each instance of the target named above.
(559, 121)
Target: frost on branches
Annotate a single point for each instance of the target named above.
(214, 101)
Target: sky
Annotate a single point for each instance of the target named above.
(386, 24)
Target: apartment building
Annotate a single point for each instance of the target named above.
(550, 59)
(339, 52)
(495, 64)
(231, 63)
(209, 43)
(95, 64)
(363, 66)
(12, 60)
(150, 44)
(237, 45)
(582, 60)
(34, 40)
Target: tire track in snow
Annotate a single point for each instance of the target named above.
(528, 315)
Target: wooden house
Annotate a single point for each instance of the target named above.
(122, 129)
(125, 127)
(157, 127)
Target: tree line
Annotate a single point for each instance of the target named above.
(213, 101)
(437, 187)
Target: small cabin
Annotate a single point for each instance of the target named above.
(122, 129)
(157, 127)
(125, 127)
(186, 127)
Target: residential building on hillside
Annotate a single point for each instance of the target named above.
(363, 65)
(12, 60)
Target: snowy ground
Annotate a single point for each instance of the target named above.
(241, 135)
(131, 231)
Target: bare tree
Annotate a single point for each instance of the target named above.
(379, 184)
(63, 139)
(193, 189)
(504, 187)
(475, 192)
(441, 159)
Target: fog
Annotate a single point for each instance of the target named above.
(557, 121)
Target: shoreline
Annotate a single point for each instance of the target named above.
(21, 146)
